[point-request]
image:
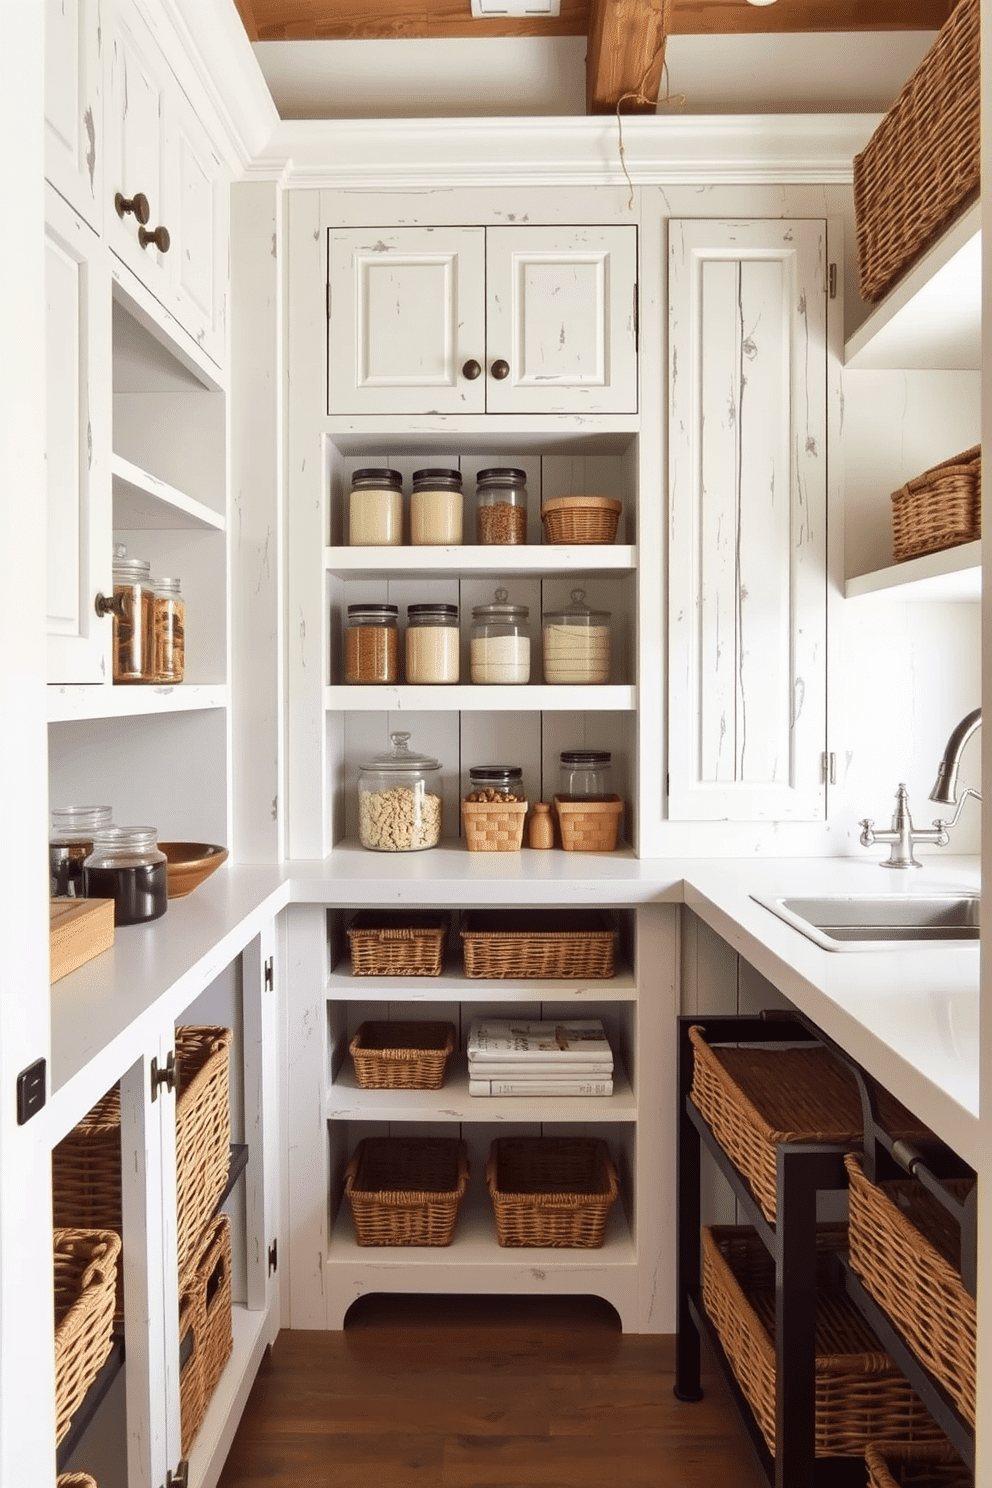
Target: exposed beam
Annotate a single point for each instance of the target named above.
(246, 11)
(625, 56)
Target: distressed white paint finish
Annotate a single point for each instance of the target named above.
(747, 555)
(197, 216)
(135, 159)
(74, 105)
(308, 1196)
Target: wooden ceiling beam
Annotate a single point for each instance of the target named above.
(625, 56)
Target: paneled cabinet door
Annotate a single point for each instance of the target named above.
(197, 215)
(747, 549)
(74, 105)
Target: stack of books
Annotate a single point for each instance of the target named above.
(511, 1056)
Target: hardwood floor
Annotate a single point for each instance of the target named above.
(448, 1392)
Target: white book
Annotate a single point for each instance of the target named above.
(538, 1069)
(514, 1038)
(540, 1087)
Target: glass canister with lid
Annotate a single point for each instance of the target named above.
(436, 508)
(371, 644)
(134, 603)
(496, 783)
(168, 631)
(399, 800)
(70, 842)
(576, 643)
(585, 775)
(432, 643)
(501, 506)
(500, 648)
(128, 866)
(375, 508)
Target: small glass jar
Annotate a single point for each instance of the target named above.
(432, 643)
(127, 865)
(585, 775)
(577, 643)
(371, 643)
(436, 506)
(501, 506)
(132, 642)
(168, 631)
(496, 783)
(399, 800)
(375, 509)
(500, 649)
(70, 842)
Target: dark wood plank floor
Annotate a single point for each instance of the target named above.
(429, 1392)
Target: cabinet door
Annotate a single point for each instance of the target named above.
(196, 213)
(747, 553)
(135, 107)
(73, 105)
(561, 316)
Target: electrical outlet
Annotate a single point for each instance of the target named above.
(30, 1091)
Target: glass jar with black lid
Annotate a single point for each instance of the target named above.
(585, 775)
(436, 508)
(128, 866)
(496, 783)
(70, 842)
(371, 644)
(375, 508)
(431, 644)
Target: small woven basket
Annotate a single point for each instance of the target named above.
(940, 508)
(401, 1056)
(406, 1190)
(860, 1395)
(581, 519)
(916, 1465)
(494, 828)
(85, 1285)
(589, 826)
(921, 167)
(561, 943)
(551, 1191)
(205, 1325)
(397, 943)
(906, 1249)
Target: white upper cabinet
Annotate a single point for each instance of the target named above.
(73, 105)
(482, 320)
(747, 554)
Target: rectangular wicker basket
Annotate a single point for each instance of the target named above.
(916, 1465)
(551, 1191)
(397, 943)
(589, 826)
(406, 1190)
(906, 1249)
(532, 943)
(940, 508)
(205, 1325)
(86, 1264)
(860, 1394)
(921, 167)
(581, 519)
(490, 827)
(401, 1056)
(75, 1480)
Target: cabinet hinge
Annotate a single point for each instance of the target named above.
(832, 281)
(270, 976)
(30, 1091)
(273, 1257)
(637, 318)
(180, 1478)
(328, 301)
(166, 1077)
(828, 764)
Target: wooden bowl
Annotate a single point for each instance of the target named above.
(189, 863)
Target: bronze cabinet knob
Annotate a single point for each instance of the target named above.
(500, 370)
(472, 369)
(138, 204)
(160, 238)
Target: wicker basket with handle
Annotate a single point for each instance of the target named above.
(551, 1191)
(581, 519)
(206, 1333)
(560, 943)
(915, 1465)
(397, 943)
(940, 508)
(406, 1190)
(85, 1286)
(402, 1055)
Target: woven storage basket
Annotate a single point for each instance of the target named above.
(86, 1175)
(916, 1465)
(860, 1394)
(906, 1249)
(493, 828)
(589, 826)
(940, 508)
(581, 519)
(401, 1056)
(530, 943)
(551, 1191)
(75, 1480)
(406, 1190)
(397, 943)
(755, 1098)
(203, 1130)
(85, 1284)
(205, 1317)
(921, 167)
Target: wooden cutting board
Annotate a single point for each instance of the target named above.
(78, 930)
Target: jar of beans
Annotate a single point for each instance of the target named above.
(371, 643)
(399, 800)
(495, 783)
(432, 643)
(501, 506)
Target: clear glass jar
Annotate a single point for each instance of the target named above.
(496, 783)
(168, 631)
(371, 643)
(375, 508)
(432, 643)
(436, 507)
(585, 775)
(577, 643)
(500, 649)
(127, 865)
(399, 800)
(70, 842)
(132, 641)
(501, 506)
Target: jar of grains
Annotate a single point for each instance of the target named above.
(399, 800)
(70, 842)
(168, 631)
(500, 650)
(133, 606)
(436, 508)
(501, 506)
(496, 783)
(128, 866)
(432, 643)
(577, 643)
(375, 509)
(371, 643)
(585, 775)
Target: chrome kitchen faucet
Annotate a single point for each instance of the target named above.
(903, 834)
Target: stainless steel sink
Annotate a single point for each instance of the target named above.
(880, 922)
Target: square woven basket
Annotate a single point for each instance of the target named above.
(206, 1333)
(581, 519)
(406, 1190)
(916, 1465)
(940, 508)
(397, 943)
(85, 1263)
(589, 826)
(551, 1191)
(490, 827)
(401, 1056)
(75, 1480)
(532, 943)
(906, 1249)
(860, 1395)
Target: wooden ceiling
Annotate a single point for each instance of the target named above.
(626, 37)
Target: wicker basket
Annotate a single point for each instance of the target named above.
(551, 1191)
(401, 1056)
(75, 1480)
(916, 1465)
(906, 1249)
(532, 943)
(206, 1336)
(921, 167)
(860, 1394)
(397, 943)
(755, 1098)
(494, 828)
(581, 519)
(85, 1285)
(589, 826)
(406, 1190)
(940, 508)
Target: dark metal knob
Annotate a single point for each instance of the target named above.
(500, 370)
(472, 370)
(112, 606)
(138, 204)
(159, 236)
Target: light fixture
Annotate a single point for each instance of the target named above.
(761, 2)
(492, 9)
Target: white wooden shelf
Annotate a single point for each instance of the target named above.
(143, 501)
(513, 561)
(347, 1102)
(535, 697)
(484, 433)
(952, 574)
(453, 986)
(71, 702)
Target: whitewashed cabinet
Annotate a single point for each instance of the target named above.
(74, 105)
(747, 533)
(482, 319)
